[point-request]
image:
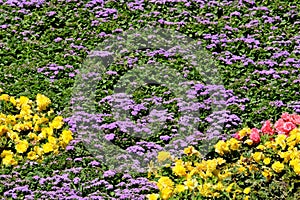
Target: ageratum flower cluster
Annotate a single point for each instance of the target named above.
(240, 168)
(32, 132)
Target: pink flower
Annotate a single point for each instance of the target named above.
(288, 126)
(284, 127)
(296, 119)
(254, 135)
(279, 126)
(267, 129)
(237, 136)
(286, 117)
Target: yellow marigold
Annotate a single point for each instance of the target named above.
(22, 146)
(205, 189)
(190, 150)
(296, 165)
(241, 169)
(247, 190)
(42, 102)
(221, 147)
(258, 156)
(219, 186)
(229, 187)
(164, 182)
(48, 131)
(191, 184)
(234, 144)
(221, 161)
(249, 142)
(179, 169)
(180, 188)
(152, 196)
(3, 130)
(13, 101)
(38, 150)
(277, 167)
(57, 122)
(9, 160)
(285, 155)
(5, 97)
(163, 155)
(6, 153)
(166, 193)
(267, 174)
(280, 140)
(13, 136)
(267, 161)
(48, 147)
(66, 136)
(211, 165)
(261, 147)
(201, 166)
(244, 132)
(32, 155)
(52, 140)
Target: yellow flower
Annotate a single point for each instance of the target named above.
(267, 161)
(241, 169)
(219, 186)
(42, 102)
(51, 140)
(5, 97)
(257, 156)
(6, 153)
(9, 160)
(22, 146)
(164, 182)
(267, 174)
(153, 196)
(180, 188)
(247, 190)
(277, 166)
(280, 140)
(38, 150)
(190, 150)
(3, 130)
(205, 189)
(191, 183)
(229, 188)
(13, 100)
(211, 165)
(166, 193)
(163, 155)
(261, 147)
(57, 122)
(244, 132)
(249, 142)
(234, 144)
(296, 165)
(48, 147)
(179, 169)
(285, 155)
(221, 147)
(66, 136)
(32, 155)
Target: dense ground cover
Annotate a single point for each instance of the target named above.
(255, 46)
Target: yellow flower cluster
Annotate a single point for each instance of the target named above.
(31, 133)
(223, 147)
(211, 178)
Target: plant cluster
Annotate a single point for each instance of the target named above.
(255, 163)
